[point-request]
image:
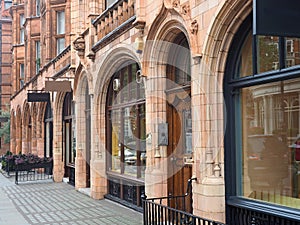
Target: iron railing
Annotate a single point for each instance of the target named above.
(172, 210)
(33, 172)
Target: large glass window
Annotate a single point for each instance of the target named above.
(264, 123)
(271, 170)
(126, 111)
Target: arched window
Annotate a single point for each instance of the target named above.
(261, 78)
(126, 133)
(48, 123)
(69, 150)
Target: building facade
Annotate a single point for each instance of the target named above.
(5, 68)
(137, 97)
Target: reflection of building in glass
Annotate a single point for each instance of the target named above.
(275, 109)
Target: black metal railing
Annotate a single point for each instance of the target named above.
(172, 210)
(248, 216)
(33, 172)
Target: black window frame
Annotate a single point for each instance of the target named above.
(232, 87)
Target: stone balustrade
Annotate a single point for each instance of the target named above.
(113, 17)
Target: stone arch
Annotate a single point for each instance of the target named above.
(19, 128)
(40, 135)
(229, 18)
(108, 66)
(58, 169)
(83, 91)
(210, 104)
(26, 128)
(34, 123)
(168, 24)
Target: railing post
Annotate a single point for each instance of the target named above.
(16, 181)
(145, 213)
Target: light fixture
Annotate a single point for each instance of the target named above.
(140, 78)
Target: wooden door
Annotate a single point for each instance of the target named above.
(179, 149)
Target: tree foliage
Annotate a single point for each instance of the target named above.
(5, 126)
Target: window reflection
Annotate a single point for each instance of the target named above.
(245, 58)
(128, 125)
(271, 127)
(292, 51)
(267, 53)
(116, 144)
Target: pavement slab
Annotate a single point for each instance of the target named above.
(50, 203)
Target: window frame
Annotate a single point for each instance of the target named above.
(21, 75)
(60, 34)
(22, 28)
(37, 56)
(137, 104)
(232, 87)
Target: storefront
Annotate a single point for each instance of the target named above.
(262, 90)
(126, 134)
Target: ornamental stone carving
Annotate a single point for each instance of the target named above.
(194, 27)
(79, 45)
(185, 10)
(176, 3)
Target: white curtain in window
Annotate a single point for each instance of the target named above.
(60, 18)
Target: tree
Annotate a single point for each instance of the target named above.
(5, 126)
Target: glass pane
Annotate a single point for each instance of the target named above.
(183, 65)
(292, 51)
(130, 140)
(124, 85)
(270, 137)
(47, 153)
(245, 58)
(60, 22)
(142, 138)
(115, 140)
(267, 53)
(60, 45)
(188, 131)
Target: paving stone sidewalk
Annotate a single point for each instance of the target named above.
(58, 204)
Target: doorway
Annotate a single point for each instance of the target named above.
(179, 120)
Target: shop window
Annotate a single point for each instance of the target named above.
(263, 119)
(60, 31)
(22, 29)
(126, 136)
(127, 121)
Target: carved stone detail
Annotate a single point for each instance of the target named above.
(79, 45)
(185, 10)
(194, 27)
(176, 3)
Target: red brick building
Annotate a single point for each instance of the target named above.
(5, 63)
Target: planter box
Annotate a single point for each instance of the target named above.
(30, 166)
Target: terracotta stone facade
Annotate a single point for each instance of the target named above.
(98, 42)
(5, 68)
